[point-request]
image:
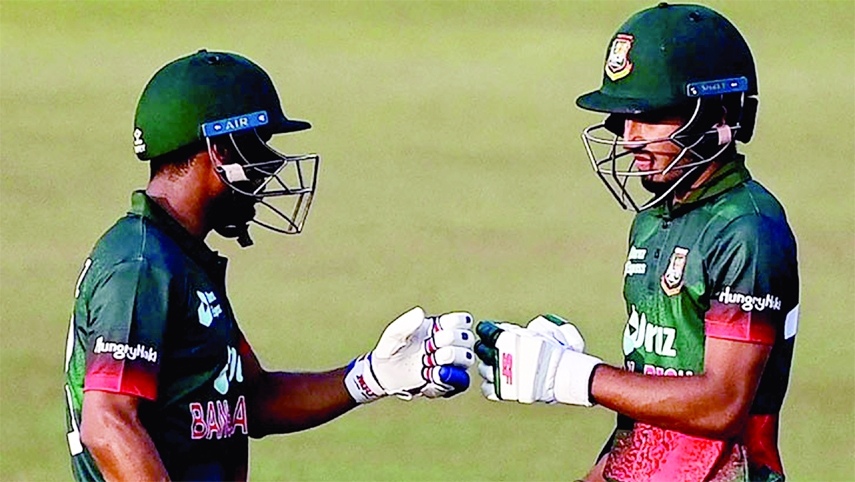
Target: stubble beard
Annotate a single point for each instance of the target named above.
(231, 214)
(654, 187)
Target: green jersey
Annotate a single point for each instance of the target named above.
(723, 265)
(151, 320)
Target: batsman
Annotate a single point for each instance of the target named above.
(710, 278)
(161, 382)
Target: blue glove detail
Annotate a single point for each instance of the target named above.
(456, 377)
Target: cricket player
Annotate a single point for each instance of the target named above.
(710, 279)
(160, 381)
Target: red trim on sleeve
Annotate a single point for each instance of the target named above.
(117, 377)
(730, 322)
(243, 347)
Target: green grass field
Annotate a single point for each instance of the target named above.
(453, 177)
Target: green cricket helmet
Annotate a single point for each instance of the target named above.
(671, 59)
(218, 97)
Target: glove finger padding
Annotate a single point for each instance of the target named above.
(488, 332)
(486, 372)
(450, 355)
(451, 321)
(445, 381)
(486, 354)
(445, 338)
(489, 392)
(488, 389)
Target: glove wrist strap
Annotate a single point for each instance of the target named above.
(573, 378)
(360, 381)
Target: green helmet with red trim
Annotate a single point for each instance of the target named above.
(668, 59)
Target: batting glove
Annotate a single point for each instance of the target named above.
(559, 330)
(534, 364)
(416, 355)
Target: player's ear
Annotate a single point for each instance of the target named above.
(218, 154)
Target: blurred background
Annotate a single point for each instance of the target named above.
(452, 177)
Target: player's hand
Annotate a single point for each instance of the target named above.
(416, 355)
(534, 364)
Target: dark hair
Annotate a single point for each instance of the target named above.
(176, 162)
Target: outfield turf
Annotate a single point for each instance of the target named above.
(452, 176)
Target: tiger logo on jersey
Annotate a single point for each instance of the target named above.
(672, 280)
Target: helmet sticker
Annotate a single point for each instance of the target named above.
(234, 124)
(717, 87)
(618, 65)
(139, 143)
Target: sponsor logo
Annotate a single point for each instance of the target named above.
(139, 143)
(214, 419)
(630, 268)
(748, 302)
(508, 368)
(618, 64)
(361, 383)
(232, 371)
(209, 307)
(123, 351)
(672, 280)
(660, 371)
(234, 124)
(639, 334)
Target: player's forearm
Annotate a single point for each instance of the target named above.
(695, 405)
(122, 448)
(289, 402)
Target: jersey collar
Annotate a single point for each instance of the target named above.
(730, 175)
(144, 206)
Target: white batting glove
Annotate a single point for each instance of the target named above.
(524, 365)
(416, 355)
(558, 329)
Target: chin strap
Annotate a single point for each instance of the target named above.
(241, 233)
(233, 225)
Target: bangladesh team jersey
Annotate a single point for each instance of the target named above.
(722, 265)
(151, 320)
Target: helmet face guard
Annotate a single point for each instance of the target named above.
(262, 176)
(612, 160)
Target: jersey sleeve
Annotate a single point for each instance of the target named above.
(754, 281)
(127, 322)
